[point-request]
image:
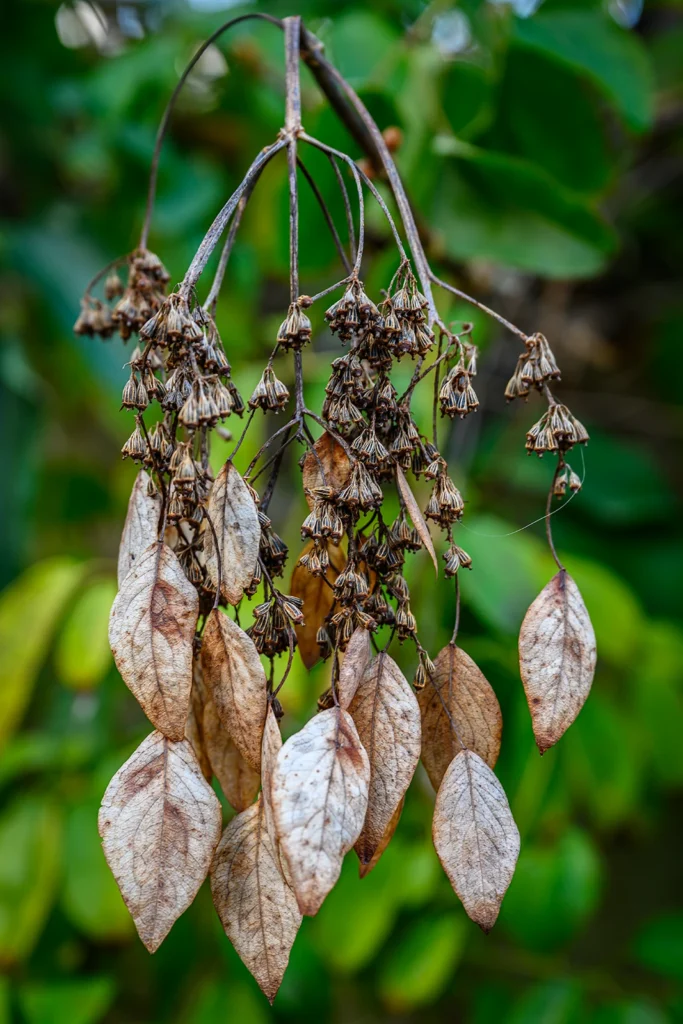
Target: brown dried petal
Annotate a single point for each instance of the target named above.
(233, 513)
(387, 717)
(141, 526)
(320, 796)
(318, 599)
(332, 461)
(557, 658)
(457, 702)
(236, 683)
(160, 822)
(416, 515)
(475, 836)
(151, 630)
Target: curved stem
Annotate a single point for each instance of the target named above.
(166, 117)
(212, 297)
(347, 205)
(326, 214)
(548, 505)
(359, 188)
(480, 305)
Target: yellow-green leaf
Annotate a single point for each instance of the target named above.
(29, 610)
(83, 656)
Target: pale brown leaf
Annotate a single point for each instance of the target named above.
(557, 658)
(320, 796)
(318, 598)
(356, 660)
(415, 514)
(270, 748)
(365, 869)
(387, 717)
(233, 513)
(327, 465)
(194, 732)
(458, 703)
(238, 780)
(160, 822)
(236, 683)
(258, 910)
(151, 630)
(475, 836)
(141, 527)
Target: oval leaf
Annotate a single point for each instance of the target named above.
(141, 527)
(318, 599)
(236, 683)
(238, 780)
(327, 465)
(475, 836)
(233, 514)
(320, 796)
(356, 661)
(365, 869)
(387, 717)
(160, 822)
(457, 704)
(415, 514)
(258, 910)
(557, 658)
(151, 630)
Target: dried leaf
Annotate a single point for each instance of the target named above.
(387, 717)
(318, 598)
(327, 465)
(458, 703)
(238, 780)
(258, 910)
(415, 514)
(236, 683)
(475, 836)
(270, 748)
(141, 527)
(365, 869)
(557, 658)
(233, 513)
(356, 660)
(194, 730)
(320, 796)
(151, 630)
(160, 822)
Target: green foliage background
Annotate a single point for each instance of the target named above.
(545, 158)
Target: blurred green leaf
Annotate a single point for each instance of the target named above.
(30, 858)
(82, 655)
(359, 42)
(5, 1010)
(90, 897)
(29, 610)
(530, 114)
(636, 1011)
(659, 945)
(422, 962)
(506, 572)
(614, 610)
(554, 890)
(82, 1001)
(467, 98)
(658, 698)
(602, 761)
(218, 1002)
(554, 1002)
(591, 42)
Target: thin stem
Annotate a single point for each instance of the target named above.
(548, 506)
(331, 288)
(212, 297)
(480, 305)
(327, 215)
(214, 233)
(359, 188)
(266, 445)
(166, 117)
(218, 560)
(242, 436)
(347, 205)
(293, 128)
(277, 465)
(456, 625)
(118, 262)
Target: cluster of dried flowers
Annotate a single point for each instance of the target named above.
(193, 545)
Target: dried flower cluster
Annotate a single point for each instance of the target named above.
(193, 545)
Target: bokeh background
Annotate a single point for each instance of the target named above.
(543, 147)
